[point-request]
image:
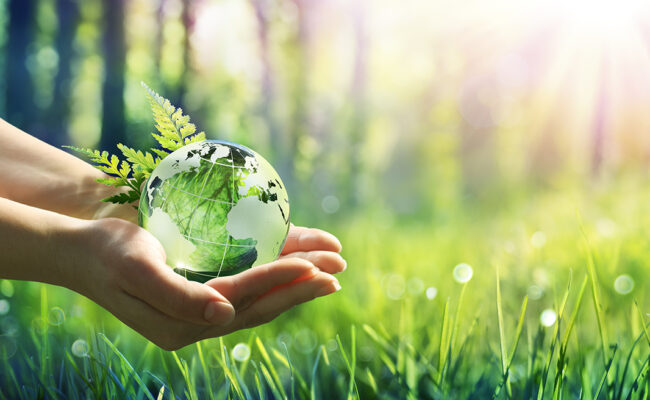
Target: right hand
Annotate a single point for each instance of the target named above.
(122, 268)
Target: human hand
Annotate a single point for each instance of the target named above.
(122, 267)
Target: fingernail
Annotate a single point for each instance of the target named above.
(329, 288)
(217, 312)
(337, 242)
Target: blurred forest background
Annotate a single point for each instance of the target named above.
(414, 108)
(426, 134)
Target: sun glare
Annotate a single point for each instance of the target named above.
(601, 15)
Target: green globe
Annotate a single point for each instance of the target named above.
(217, 208)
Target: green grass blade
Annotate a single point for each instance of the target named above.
(643, 323)
(271, 368)
(502, 336)
(442, 355)
(351, 365)
(270, 381)
(206, 373)
(126, 363)
(591, 270)
(635, 384)
(314, 369)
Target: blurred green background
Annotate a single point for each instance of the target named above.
(430, 136)
(414, 108)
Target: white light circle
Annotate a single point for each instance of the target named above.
(538, 240)
(548, 317)
(624, 284)
(535, 292)
(4, 307)
(330, 204)
(395, 286)
(80, 348)
(415, 286)
(431, 293)
(241, 352)
(463, 273)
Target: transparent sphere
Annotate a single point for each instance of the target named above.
(217, 208)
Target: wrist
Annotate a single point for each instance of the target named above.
(67, 241)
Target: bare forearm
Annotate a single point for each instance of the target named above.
(34, 173)
(35, 244)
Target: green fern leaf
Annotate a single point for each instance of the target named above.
(121, 198)
(145, 161)
(199, 137)
(113, 181)
(161, 153)
(172, 125)
(174, 131)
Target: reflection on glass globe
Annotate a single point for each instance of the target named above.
(217, 208)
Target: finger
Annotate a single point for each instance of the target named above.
(308, 239)
(245, 287)
(327, 261)
(177, 297)
(278, 301)
(166, 332)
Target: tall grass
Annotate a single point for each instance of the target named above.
(402, 327)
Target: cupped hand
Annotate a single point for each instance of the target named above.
(122, 267)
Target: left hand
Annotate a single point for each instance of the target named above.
(262, 293)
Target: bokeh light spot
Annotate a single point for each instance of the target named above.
(548, 317)
(56, 316)
(330, 204)
(415, 286)
(394, 285)
(80, 348)
(535, 292)
(624, 284)
(606, 227)
(4, 307)
(305, 341)
(241, 352)
(7, 347)
(463, 273)
(431, 293)
(538, 240)
(6, 288)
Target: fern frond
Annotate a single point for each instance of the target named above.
(199, 137)
(173, 127)
(112, 181)
(118, 169)
(161, 153)
(145, 161)
(121, 198)
(174, 131)
(105, 162)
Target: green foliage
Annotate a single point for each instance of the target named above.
(383, 336)
(174, 128)
(174, 131)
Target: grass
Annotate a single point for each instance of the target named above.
(382, 336)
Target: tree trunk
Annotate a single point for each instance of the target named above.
(113, 124)
(57, 114)
(20, 109)
(178, 91)
(159, 42)
(358, 95)
(277, 144)
(600, 123)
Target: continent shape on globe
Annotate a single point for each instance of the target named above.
(217, 208)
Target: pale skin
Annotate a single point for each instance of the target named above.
(55, 229)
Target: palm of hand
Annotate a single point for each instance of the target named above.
(129, 277)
